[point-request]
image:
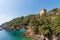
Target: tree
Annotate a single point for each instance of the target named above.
(56, 24)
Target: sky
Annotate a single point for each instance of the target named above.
(10, 9)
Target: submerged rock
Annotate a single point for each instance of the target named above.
(0, 29)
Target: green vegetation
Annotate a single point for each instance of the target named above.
(47, 24)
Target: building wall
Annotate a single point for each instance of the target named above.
(43, 11)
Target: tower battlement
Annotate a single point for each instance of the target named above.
(43, 11)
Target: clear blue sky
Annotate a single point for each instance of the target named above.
(10, 9)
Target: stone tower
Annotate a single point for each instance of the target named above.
(43, 11)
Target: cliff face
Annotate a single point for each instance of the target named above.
(31, 34)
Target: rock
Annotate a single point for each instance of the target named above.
(0, 29)
(46, 39)
(58, 37)
(42, 37)
(30, 33)
(55, 38)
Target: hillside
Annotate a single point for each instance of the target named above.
(47, 24)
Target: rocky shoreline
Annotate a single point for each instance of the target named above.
(30, 34)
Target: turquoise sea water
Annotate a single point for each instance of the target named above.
(13, 35)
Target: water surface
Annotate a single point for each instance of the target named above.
(12, 35)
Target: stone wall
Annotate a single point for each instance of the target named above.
(43, 11)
